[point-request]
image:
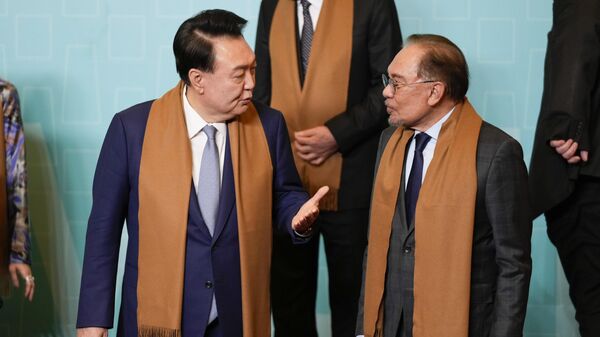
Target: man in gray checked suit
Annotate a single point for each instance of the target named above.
(449, 241)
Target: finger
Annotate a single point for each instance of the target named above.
(14, 277)
(557, 143)
(32, 291)
(300, 226)
(304, 148)
(584, 155)
(570, 151)
(320, 194)
(303, 134)
(307, 140)
(574, 160)
(307, 156)
(28, 289)
(565, 147)
(318, 160)
(296, 222)
(300, 140)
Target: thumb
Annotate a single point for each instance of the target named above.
(14, 276)
(320, 194)
(584, 155)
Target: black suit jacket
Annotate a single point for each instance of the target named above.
(570, 102)
(501, 258)
(376, 40)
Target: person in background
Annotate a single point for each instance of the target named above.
(564, 175)
(15, 233)
(320, 63)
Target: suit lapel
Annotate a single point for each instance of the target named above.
(227, 197)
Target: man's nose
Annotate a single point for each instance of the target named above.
(249, 81)
(387, 91)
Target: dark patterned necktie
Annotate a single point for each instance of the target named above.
(416, 176)
(307, 36)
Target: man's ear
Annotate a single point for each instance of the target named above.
(437, 93)
(197, 79)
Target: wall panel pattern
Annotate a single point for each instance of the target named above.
(77, 63)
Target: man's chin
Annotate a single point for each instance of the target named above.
(239, 109)
(394, 122)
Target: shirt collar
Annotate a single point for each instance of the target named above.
(316, 3)
(194, 121)
(434, 131)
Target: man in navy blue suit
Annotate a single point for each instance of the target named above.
(201, 176)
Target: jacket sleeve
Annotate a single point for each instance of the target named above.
(570, 74)
(362, 120)
(16, 174)
(507, 206)
(262, 90)
(288, 193)
(110, 201)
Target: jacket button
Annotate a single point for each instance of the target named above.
(208, 284)
(407, 250)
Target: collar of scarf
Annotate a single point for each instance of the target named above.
(164, 192)
(444, 223)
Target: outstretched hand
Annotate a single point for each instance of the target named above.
(306, 216)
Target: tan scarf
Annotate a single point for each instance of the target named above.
(5, 230)
(325, 91)
(444, 219)
(165, 182)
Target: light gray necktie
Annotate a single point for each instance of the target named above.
(209, 180)
(209, 188)
(307, 36)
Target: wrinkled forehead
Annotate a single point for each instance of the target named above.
(406, 63)
(232, 53)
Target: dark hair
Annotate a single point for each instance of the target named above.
(443, 61)
(193, 45)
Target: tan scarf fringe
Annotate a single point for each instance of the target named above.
(325, 91)
(152, 331)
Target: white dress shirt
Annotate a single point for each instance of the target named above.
(198, 138)
(314, 9)
(434, 133)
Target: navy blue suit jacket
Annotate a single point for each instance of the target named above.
(212, 263)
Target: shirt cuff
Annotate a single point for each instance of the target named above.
(306, 235)
(16, 258)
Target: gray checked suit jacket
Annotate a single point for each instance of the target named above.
(501, 259)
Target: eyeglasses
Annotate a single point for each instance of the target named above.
(395, 85)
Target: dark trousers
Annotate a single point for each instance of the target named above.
(294, 275)
(574, 228)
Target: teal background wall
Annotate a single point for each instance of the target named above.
(77, 62)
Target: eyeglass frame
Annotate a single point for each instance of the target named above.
(395, 85)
